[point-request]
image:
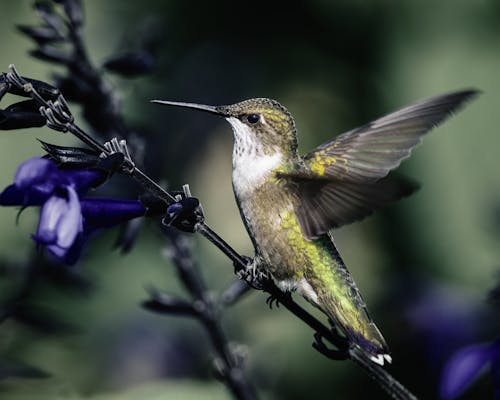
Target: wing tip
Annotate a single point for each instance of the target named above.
(469, 92)
(446, 105)
(459, 98)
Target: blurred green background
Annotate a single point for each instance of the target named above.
(335, 65)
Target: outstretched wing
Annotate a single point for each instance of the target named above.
(346, 179)
(368, 153)
(326, 204)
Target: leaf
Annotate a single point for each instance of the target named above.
(131, 64)
(51, 18)
(51, 54)
(41, 34)
(74, 11)
(71, 156)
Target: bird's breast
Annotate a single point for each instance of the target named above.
(252, 169)
(265, 203)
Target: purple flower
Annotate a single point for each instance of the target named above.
(444, 320)
(466, 365)
(66, 218)
(61, 221)
(37, 178)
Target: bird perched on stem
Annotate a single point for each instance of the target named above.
(289, 204)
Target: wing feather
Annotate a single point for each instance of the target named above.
(346, 179)
(325, 204)
(368, 153)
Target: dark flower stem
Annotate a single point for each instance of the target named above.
(85, 138)
(228, 364)
(82, 69)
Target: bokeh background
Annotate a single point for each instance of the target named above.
(425, 266)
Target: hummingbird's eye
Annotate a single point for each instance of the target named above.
(253, 118)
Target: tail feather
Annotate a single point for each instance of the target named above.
(372, 344)
(352, 319)
(334, 292)
(364, 334)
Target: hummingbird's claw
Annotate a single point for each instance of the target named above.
(220, 369)
(334, 354)
(252, 274)
(273, 300)
(237, 267)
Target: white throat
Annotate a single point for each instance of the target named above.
(251, 164)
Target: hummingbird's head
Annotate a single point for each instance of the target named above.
(260, 124)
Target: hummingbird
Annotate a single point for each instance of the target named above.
(290, 203)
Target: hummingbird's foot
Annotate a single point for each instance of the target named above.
(252, 274)
(238, 270)
(272, 300)
(334, 354)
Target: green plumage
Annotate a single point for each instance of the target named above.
(312, 267)
(289, 204)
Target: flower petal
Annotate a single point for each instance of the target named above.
(58, 251)
(463, 368)
(70, 223)
(495, 368)
(83, 179)
(37, 179)
(52, 212)
(60, 222)
(104, 213)
(33, 171)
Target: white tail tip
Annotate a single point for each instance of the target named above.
(379, 359)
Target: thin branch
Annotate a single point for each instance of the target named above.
(394, 388)
(228, 363)
(234, 292)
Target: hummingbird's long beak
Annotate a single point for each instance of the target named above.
(202, 107)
